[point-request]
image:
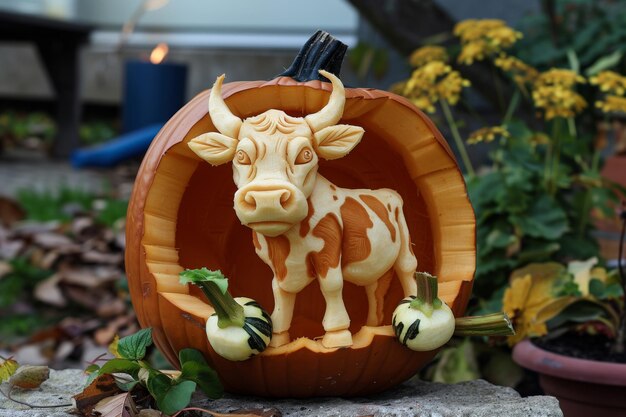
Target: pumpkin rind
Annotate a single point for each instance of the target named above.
(155, 232)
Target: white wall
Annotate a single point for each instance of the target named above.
(228, 15)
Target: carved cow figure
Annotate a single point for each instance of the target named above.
(304, 227)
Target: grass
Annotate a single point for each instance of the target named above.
(48, 206)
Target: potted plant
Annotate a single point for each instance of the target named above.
(571, 330)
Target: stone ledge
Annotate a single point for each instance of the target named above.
(412, 399)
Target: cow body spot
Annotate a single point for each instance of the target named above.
(356, 245)
(377, 207)
(278, 251)
(329, 230)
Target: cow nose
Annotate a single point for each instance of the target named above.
(275, 199)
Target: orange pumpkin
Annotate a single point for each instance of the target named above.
(181, 216)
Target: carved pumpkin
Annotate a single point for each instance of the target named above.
(181, 216)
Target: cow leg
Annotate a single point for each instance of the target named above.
(336, 320)
(376, 298)
(281, 316)
(372, 316)
(406, 263)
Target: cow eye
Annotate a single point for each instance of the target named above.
(242, 157)
(305, 155)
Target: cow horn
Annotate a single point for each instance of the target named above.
(223, 119)
(332, 112)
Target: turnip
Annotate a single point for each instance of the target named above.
(239, 328)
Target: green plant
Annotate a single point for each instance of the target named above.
(49, 205)
(16, 127)
(534, 203)
(93, 133)
(21, 280)
(171, 393)
(549, 299)
(588, 34)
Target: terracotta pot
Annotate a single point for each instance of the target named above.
(583, 387)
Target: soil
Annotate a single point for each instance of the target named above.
(582, 346)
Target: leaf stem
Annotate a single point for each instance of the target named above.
(457, 138)
(496, 324)
(426, 300)
(511, 108)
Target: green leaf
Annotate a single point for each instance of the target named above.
(604, 63)
(579, 312)
(195, 368)
(126, 386)
(7, 369)
(134, 346)
(545, 219)
(569, 288)
(171, 396)
(92, 368)
(614, 290)
(597, 288)
(195, 276)
(126, 366)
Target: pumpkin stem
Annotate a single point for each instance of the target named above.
(321, 52)
(426, 300)
(215, 286)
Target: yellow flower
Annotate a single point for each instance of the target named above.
(553, 91)
(487, 134)
(426, 54)
(432, 82)
(503, 37)
(522, 73)
(483, 38)
(558, 76)
(610, 82)
(450, 87)
(529, 300)
(612, 104)
(424, 103)
(398, 88)
(473, 51)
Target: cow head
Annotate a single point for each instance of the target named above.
(275, 156)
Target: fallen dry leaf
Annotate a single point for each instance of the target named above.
(111, 308)
(102, 387)
(48, 291)
(5, 268)
(10, 211)
(29, 376)
(50, 240)
(94, 256)
(90, 277)
(121, 405)
(149, 412)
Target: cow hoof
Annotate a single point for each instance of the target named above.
(337, 339)
(279, 339)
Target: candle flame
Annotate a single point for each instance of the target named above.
(159, 53)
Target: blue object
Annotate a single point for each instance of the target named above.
(123, 147)
(152, 93)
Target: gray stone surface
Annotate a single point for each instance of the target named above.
(59, 389)
(413, 399)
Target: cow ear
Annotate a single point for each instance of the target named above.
(214, 147)
(337, 141)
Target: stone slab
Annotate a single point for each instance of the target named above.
(412, 399)
(58, 389)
